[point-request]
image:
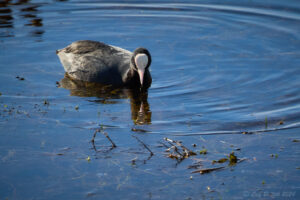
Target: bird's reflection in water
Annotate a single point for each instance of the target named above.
(140, 109)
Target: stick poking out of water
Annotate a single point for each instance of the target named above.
(113, 145)
(146, 147)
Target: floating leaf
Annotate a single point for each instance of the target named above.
(222, 160)
(203, 151)
(232, 158)
(88, 159)
(274, 155)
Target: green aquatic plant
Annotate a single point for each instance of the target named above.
(88, 159)
(222, 160)
(274, 155)
(203, 151)
(232, 159)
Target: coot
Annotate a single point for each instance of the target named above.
(93, 61)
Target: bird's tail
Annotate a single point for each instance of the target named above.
(57, 51)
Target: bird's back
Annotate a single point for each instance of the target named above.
(93, 61)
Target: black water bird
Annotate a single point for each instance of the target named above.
(93, 61)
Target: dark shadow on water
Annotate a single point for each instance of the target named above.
(140, 108)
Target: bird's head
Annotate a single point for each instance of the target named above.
(141, 60)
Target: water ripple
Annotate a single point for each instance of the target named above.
(228, 63)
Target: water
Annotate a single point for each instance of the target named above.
(219, 70)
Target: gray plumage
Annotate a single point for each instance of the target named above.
(93, 61)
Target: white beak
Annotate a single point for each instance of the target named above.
(141, 61)
(141, 75)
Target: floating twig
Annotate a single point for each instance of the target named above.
(163, 144)
(186, 152)
(207, 170)
(139, 130)
(194, 166)
(146, 147)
